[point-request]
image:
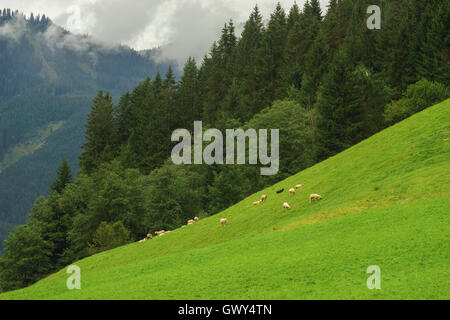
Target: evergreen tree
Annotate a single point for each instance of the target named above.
(109, 236)
(293, 16)
(434, 62)
(340, 116)
(232, 103)
(397, 35)
(188, 96)
(99, 134)
(315, 11)
(299, 41)
(26, 259)
(250, 67)
(122, 119)
(221, 69)
(64, 176)
(275, 41)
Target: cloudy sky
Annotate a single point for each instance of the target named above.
(183, 27)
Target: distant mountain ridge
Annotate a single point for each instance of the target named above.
(48, 78)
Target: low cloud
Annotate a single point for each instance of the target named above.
(180, 28)
(13, 29)
(193, 27)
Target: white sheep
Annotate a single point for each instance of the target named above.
(291, 191)
(299, 186)
(264, 197)
(314, 197)
(256, 202)
(223, 222)
(286, 206)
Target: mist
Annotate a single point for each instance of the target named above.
(179, 28)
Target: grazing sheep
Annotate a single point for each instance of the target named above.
(159, 232)
(190, 221)
(257, 202)
(223, 222)
(286, 206)
(149, 235)
(299, 186)
(280, 191)
(196, 219)
(291, 191)
(143, 240)
(314, 197)
(264, 197)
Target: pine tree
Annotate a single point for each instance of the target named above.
(250, 67)
(434, 59)
(26, 259)
(231, 105)
(220, 72)
(316, 11)
(275, 41)
(399, 31)
(321, 54)
(340, 116)
(299, 41)
(157, 83)
(122, 119)
(167, 101)
(188, 95)
(64, 177)
(293, 16)
(99, 133)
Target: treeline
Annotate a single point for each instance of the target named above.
(326, 81)
(7, 14)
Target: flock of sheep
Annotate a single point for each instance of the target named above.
(286, 206)
(163, 232)
(223, 221)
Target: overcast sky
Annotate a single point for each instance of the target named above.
(184, 27)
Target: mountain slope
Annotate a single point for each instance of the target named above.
(49, 76)
(385, 202)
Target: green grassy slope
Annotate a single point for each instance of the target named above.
(386, 202)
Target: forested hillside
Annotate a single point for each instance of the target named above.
(385, 203)
(48, 77)
(324, 79)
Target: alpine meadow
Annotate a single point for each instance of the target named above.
(340, 191)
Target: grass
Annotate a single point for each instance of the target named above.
(386, 202)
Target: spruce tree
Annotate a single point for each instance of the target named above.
(188, 96)
(340, 116)
(293, 16)
(275, 41)
(434, 60)
(250, 67)
(26, 259)
(63, 177)
(316, 11)
(99, 133)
